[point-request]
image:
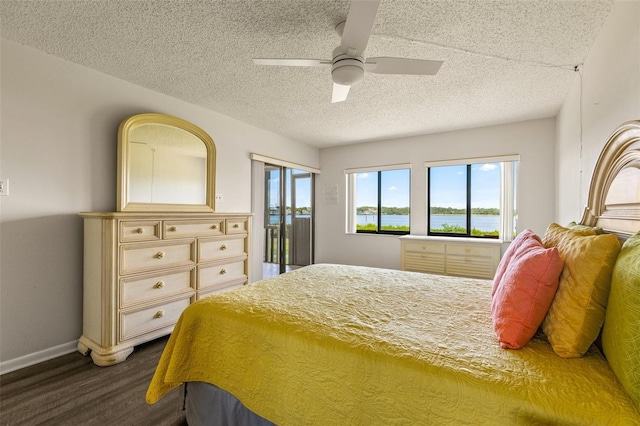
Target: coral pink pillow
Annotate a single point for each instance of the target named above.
(525, 292)
(508, 255)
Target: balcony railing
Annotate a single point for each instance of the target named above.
(297, 244)
(271, 243)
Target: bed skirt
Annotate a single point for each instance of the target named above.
(206, 404)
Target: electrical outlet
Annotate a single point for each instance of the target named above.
(4, 186)
(218, 198)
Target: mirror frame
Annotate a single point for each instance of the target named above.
(124, 132)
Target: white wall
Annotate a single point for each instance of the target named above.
(608, 95)
(533, 140)
(59, 128)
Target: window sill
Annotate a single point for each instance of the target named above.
(372, 234)
(465, 240)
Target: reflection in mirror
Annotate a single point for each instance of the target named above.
(625, 188)
(166, 165)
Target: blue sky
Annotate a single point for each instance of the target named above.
(395, 188)
(303, 197)
(449, 184)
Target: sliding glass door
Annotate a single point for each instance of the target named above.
(288, 221)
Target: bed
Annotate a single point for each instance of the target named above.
(339, 344)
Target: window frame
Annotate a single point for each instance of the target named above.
(351, 210)
(508, 191)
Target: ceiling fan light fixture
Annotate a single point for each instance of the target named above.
(347, 71)
(348, 65)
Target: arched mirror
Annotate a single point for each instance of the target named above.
(165, 164)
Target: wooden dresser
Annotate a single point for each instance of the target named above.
(465, 257)
(141, 270)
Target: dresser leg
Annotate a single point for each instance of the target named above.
(83, 349)
(102, 356)
(111, 358)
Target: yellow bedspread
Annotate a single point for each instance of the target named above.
(332, 344)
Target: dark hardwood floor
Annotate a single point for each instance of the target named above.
(71, 390)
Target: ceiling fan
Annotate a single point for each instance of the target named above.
(348, 64)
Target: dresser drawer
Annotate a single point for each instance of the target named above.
(470, 266)
(473, 250)
(424, 262)
(133, 324)
(212, 275)
(237, 226)
(148, 230)
(144, 289)
(220, 248)
(193, 228)
(146, 257)
(424, 247)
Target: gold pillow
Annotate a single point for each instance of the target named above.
(578, 227)
(578, 309)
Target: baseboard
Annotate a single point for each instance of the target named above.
(37, 357)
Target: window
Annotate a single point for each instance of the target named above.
(474, 198)
(379, 200)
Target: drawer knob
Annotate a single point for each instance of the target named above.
(159, 284)
(223, 271)
(223, 247)
(140, 230)
(173, 229)
(159, 314)
(214, 227)
(235, 225)
(159, 255)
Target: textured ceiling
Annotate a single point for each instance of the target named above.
(504, 60)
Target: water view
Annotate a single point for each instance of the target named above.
(481, 222)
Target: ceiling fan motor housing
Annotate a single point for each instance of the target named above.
(347, 70)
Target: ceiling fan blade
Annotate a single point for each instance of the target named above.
(340, 92)
(385, 65)
(357, 28)
(292, 62)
